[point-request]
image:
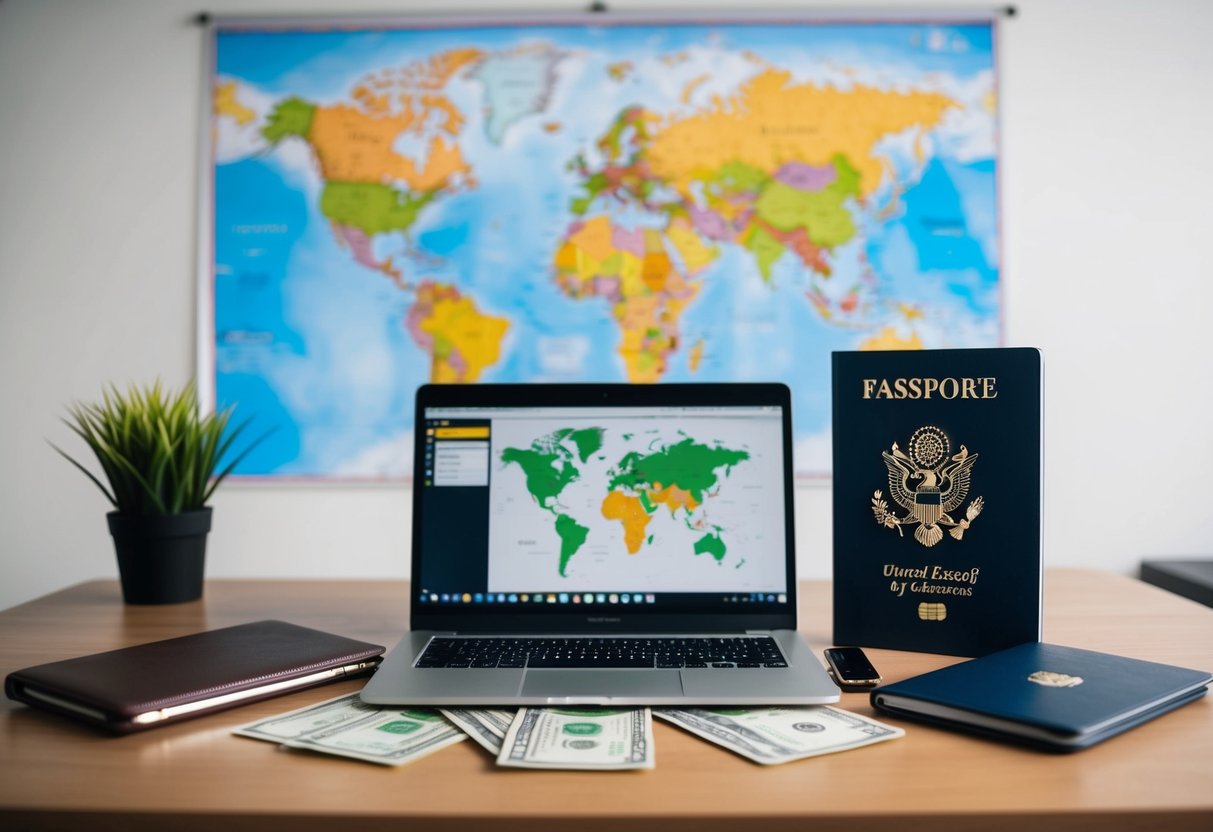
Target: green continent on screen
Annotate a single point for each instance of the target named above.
(587, 441)
(547, 473)
(548, 466)
(712, 545)
(572, 535)
(688, 465)
(548, 463)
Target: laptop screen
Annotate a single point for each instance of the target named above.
(589, 501)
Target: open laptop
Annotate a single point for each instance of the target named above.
(580, 544)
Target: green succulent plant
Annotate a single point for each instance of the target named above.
(158, 454)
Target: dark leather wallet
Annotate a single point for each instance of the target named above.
(166, 681)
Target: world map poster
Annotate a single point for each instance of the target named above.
(582, 199)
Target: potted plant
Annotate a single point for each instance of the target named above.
(159, 457)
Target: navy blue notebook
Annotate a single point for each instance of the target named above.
(1046, 695)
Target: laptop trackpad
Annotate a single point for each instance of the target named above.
(597, 685)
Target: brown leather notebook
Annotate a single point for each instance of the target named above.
(166, 681)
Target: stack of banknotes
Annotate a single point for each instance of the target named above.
(574, 738)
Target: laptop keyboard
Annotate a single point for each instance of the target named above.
(672, 653)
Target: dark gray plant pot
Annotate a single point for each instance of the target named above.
(161, 557)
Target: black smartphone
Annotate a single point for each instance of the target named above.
(851, 668)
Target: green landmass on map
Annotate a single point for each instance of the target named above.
(371, 207)
(548, 468)
(547, 473)
(712, 544)
(292, 117)
(822, 214)
(587, 441)
(688, 465)
(572, 535)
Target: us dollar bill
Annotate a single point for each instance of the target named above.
(328, 714)
(347, 727)
(780, 734)
(486, 726)
(596, 739)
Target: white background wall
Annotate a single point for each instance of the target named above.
(1107, 177)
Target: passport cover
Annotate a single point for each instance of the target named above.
(937, 499)
(166, 681)
(1046, 695)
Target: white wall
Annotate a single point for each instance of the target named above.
(1107, 184)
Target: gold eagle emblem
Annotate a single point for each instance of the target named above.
(930, 483)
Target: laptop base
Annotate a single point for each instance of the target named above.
(398, 682)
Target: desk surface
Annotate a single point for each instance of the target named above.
(195, 775)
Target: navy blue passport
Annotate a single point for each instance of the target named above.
(937, 499)
(1044, 695)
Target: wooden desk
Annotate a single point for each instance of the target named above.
(196, 775)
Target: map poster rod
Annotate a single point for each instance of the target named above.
(649, 16)
(1009, 10)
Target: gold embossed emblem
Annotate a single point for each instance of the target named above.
(1050, 679)
(932, 612)
(930, 483)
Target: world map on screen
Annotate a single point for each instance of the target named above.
(682, 476)
(696, 507)
(639, 203)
